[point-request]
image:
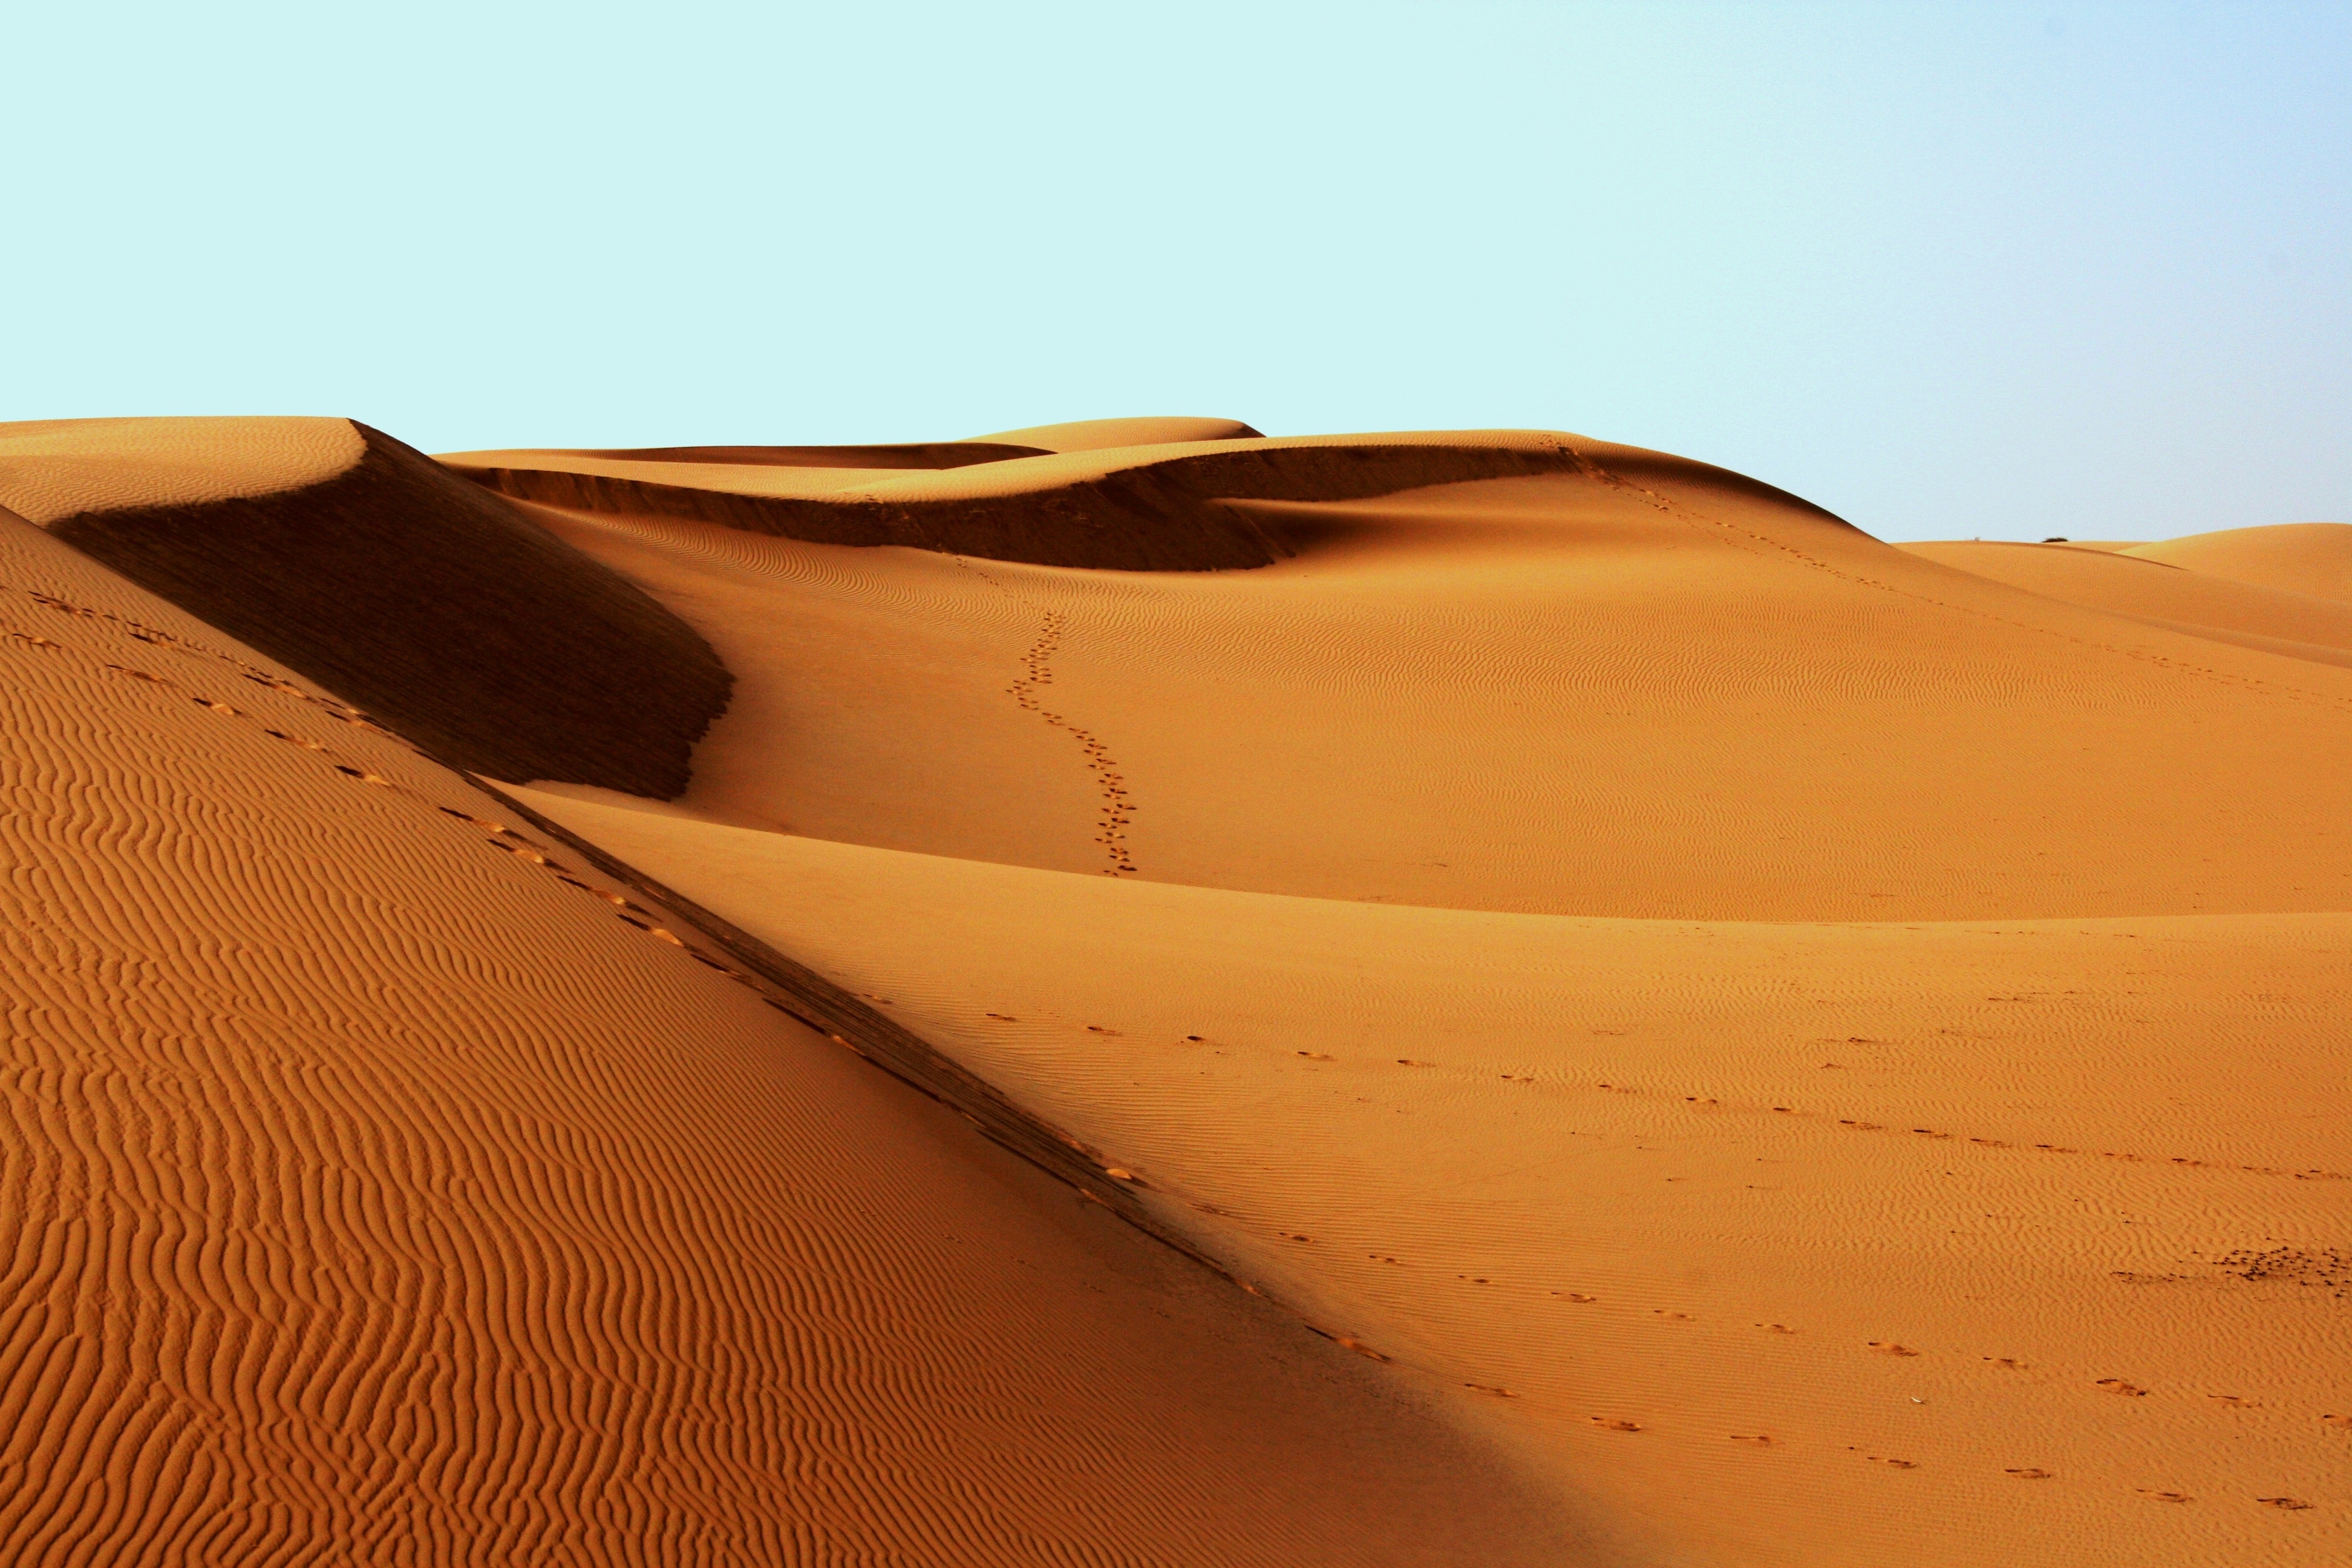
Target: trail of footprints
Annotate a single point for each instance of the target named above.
(2327, 1266)
(1117, 810)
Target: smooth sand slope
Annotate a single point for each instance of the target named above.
(2129, 581)
(379, 1183)
(2301, 557)
(1851, 1068)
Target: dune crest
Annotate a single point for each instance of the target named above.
(51, 469)
(2298, 557)
(432, 604)
(1094, 435)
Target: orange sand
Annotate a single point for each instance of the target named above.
(1620, 744)
(1776, 1048)
(370, 1193)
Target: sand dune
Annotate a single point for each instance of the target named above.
(382, 1187)
(1170, 505)
(1702, 1178)
(2128, 583)
(2300, 557)
(1707, 1038)
(1660, 696)
(430, 603)
(1098, 435)
(51, 469)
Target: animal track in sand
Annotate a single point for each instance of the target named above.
(2032, 1473)
(1901, 1464)
(1888, 1347)
(2118, 1385)
(1614, 1424)
(1117, 810)
(2290, 1504)
(2163, 1497)
(1576, 1296)
(1776, 1328)
(1761, 1439)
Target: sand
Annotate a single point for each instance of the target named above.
(53, 468)
(2301, 557)
(2129, 581)
(380, 1183)
(1562, 1005)
(1834, 1057)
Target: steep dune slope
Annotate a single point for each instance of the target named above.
(1806, 1245)
(2123, 582)
(1644, 689)
(2301, 557)
(370, 1193)
(428, 601)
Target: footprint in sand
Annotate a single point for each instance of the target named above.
(2118, 1385)
(1613, 1423)
(1888, 1347)
(1316, 1057)
(2032, 1473)
(1776, 1328)
(1672, 1317)
(2234, 1401)
(1761, 1439)
(2285, 1502)
(1409, 1062)
(2009, 1363)
(2164, 1497)
(2342, 1422)
(1575, 1295)
(1902, 1464)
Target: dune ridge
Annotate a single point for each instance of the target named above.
(51, 469)
(436, 606)
(2299, 557)
(1163, 507)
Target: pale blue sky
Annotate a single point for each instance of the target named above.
(1947, 269)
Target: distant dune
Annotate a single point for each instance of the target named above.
(1137, 992)
(2300, 557)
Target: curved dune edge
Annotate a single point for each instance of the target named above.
(439, 607)
(2162, 594)
(51, 469)
(2299, 557)
(1182, 509)
(905, 454)
(385, 1183)
(1094, 435)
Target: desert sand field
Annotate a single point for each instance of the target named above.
(1140, 993)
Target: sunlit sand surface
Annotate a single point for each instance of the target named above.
(1583, 1010)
